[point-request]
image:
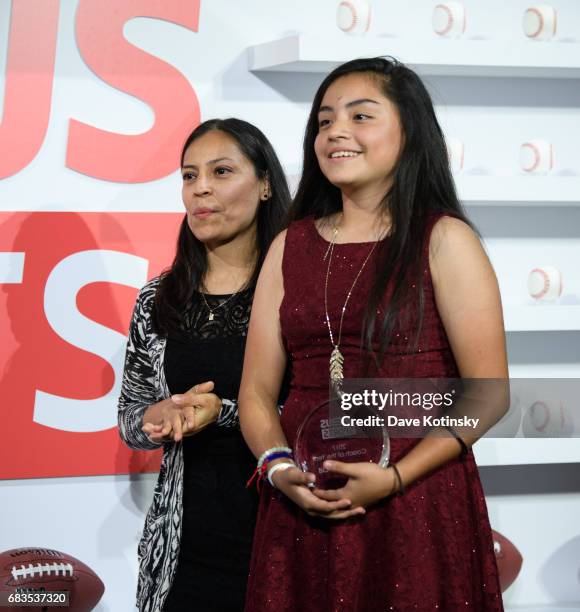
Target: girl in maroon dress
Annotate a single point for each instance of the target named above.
(381, 266)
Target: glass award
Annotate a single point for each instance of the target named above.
(329, 432)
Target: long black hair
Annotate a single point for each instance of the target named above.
(186, 274)
(422, 185)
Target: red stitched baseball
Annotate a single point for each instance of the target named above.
(536, 152)
(449, 25)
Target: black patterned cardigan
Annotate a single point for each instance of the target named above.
(144, 384)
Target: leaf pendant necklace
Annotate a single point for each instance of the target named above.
(336, 363)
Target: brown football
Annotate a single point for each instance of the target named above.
(42, 569)
(509, 560)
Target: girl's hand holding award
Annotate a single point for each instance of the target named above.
(367, 483)
(296, 485)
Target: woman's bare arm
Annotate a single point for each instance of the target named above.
(264, 366)
(469, 304)
(265, 358)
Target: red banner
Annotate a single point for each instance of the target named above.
(68, 283)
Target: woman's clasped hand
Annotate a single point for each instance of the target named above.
(185, 414)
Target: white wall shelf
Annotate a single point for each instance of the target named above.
(526, 451)
(518, 190)
(542, 317)
(547, 608)
(516, 58)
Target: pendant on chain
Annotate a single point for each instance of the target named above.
(336, 357)
(210, 318)
(336, 363)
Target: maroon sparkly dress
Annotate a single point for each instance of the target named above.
(430, 549)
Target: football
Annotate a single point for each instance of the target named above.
(27, 570)
(509, 560)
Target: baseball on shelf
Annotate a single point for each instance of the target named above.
(547, 419)
(540, 22)
(449, 19)
(537, 156)
(354, 16)
(545, 283)
(455, 153)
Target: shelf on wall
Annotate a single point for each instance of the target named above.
(518, 58)
(542, 317)
(544, 608)
(482, 190)
(526, 451)
(518, 190)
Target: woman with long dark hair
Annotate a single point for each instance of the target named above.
(380, 274)
(183, 368)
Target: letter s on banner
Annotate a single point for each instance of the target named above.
(133, 158)
(62, 286)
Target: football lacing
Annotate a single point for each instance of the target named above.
(41, 569)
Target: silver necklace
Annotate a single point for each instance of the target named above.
(212, 310)
(336, 364)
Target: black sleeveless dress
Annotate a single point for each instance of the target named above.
(219, 512)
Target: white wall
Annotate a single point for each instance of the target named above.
(97, 520)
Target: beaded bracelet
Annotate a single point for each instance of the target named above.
(278, 455)
(275, 449)
(276, 452)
